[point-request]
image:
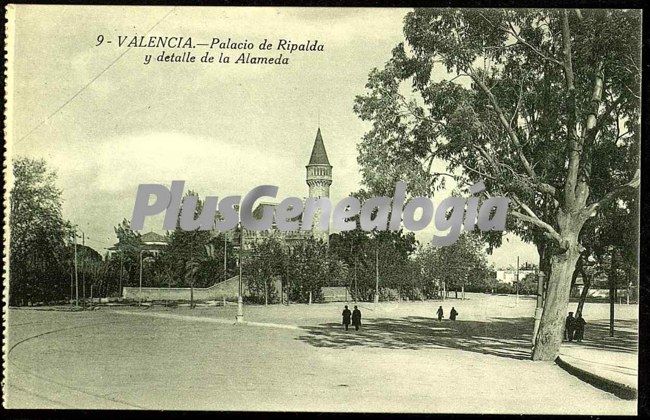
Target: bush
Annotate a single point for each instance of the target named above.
(505, 288)
(415, 293)
(388, 294)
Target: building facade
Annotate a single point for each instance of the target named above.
(319, 180)
(510, 275)
(152, 242)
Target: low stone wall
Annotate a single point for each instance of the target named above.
(335, 294)
(226, 289)
(218, 291)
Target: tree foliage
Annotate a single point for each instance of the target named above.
(38, 259)
(362, 251)
(541, 105)
(193, 258)
(461, 265)
(264, 263)
(307, 270)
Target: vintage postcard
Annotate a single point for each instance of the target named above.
(388, 210)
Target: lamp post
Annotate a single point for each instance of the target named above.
(356, 290)
(517, 283)
(240, 298)
(140, 292)
(121, 273)
(76, 274)
(376, 276)
(612, 289)
(225, 250)
(539, 308)
(71, 286)
(83, 270)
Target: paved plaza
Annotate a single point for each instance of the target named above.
(402, 360)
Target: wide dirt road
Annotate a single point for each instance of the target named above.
(112, 359)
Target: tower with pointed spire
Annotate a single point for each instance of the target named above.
(319, 179)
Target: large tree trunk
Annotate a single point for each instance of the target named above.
(549, 336)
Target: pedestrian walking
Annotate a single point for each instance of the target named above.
(569, 327)
(356, 318)
(579, 333)
(453, 314)
(440, 313)
(346, 317)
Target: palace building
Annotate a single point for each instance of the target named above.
(152, 242)
(319, 180)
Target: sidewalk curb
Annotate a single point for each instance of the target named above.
(224, 321)
(620, 390)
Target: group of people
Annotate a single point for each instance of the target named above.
(355, 316)
(574, 328)
(452, 314)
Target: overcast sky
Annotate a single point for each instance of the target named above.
(224, 129)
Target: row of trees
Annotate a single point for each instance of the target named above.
(43, 250)
(42, 261)
(356, 259)
(352, 259)
(43, 255)
(301, 269)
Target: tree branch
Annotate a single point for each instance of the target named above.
(519, 39)
(573, 145)
(514, 33)
(504, 123)
(633, 183)
(542, 187)
(548, 229)
(532, 218)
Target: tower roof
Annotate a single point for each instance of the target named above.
(318, 153)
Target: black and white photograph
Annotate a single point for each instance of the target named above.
(322, 209)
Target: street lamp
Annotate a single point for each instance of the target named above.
(121, 272)
(240, 298)
(140, 292)
(376, 276)
(76, 274)
(225, 252)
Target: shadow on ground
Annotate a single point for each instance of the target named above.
(624, 340)
(505, 337)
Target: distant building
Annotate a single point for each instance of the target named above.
(285, 237)
(509, 275)
(319, 179)
(152, 242)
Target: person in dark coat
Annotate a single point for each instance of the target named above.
(440, 313)
(569, 327)
(453, 314)
(579, 328)
(356, 318)
(346, 317)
